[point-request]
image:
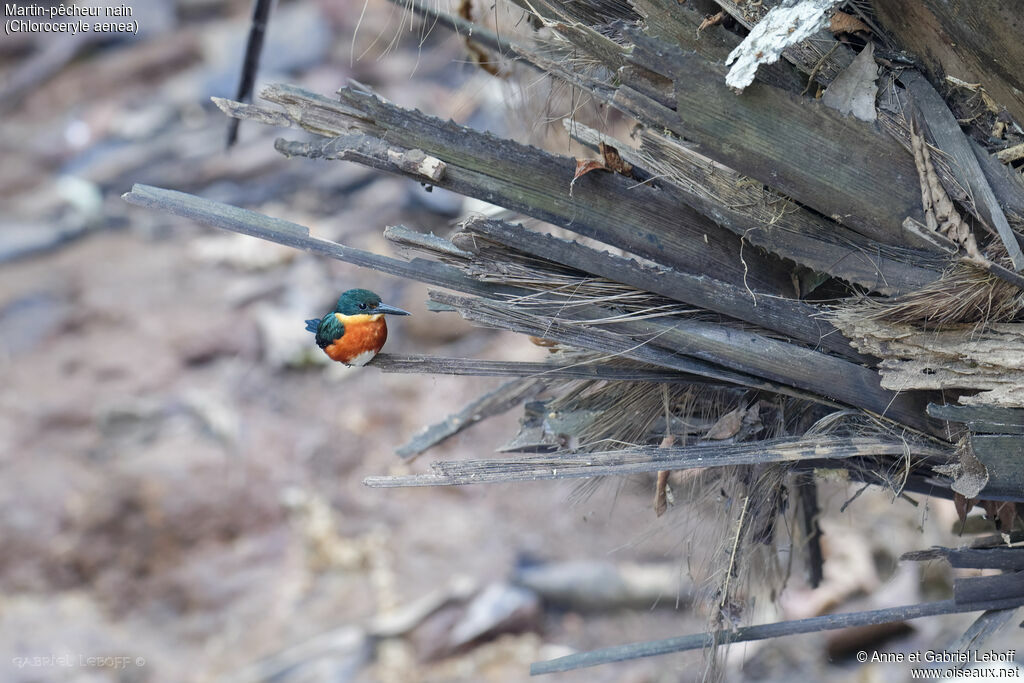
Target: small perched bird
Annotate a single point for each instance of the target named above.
(355, 330)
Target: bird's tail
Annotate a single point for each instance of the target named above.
(312, 325)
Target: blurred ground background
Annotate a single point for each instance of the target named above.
(180, 468)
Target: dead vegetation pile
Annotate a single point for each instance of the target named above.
(800, 262)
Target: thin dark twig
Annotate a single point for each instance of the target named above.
(828, 622)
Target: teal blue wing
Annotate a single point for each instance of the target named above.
(328, 329)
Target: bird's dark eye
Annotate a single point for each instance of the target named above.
(362, 307)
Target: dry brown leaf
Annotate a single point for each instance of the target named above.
(1003, 512)
(546, 343)
(585, 166)
(482, 59)
(613, 162)
(842, 22)
(713, 20)
(727, 426)
(963, 505)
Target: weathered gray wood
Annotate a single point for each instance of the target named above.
(984, 627)
(786, 316)
(226, 217)
(494, 314)
(982, 419)
(605, 206)
(842, 167)
(768, 220)
(748, 355)
(821, 54)
(951, 140)
(679, 24)
(591, 369)
(495, 402)
(1003, 457)
(1001, 586)
(652, 459)
(1010, 559)
(1006, 183)
(764, 631)
(973, 42)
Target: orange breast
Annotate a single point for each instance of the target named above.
(365, 333)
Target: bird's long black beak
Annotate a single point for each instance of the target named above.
(391, 310)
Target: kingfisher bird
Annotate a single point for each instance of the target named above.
(355, 330)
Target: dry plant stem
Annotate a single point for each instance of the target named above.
(807, 491)
(732, 555)
(765, 631)
(594, 368)
(574, 465)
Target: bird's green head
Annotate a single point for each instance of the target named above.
(363, 301)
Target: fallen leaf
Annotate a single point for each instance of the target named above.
(585, 166)
(854, 89)
(1003, 512)
(842, 22)
(727, 426)
(613, 162)
(540, 341)
(963, 505)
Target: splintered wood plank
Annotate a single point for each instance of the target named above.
(680, 24)
(975, 42)
(789, 317)
(766, 219)
(227, 217)
(596, 368)
(1011, 559)
(1003, 457)
(1008, 586)
(605, 206)
(982, 419)
(950, 139)
(821, 54)
(494, 314)
(652, 459)
(838, 165)
(707, 349)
